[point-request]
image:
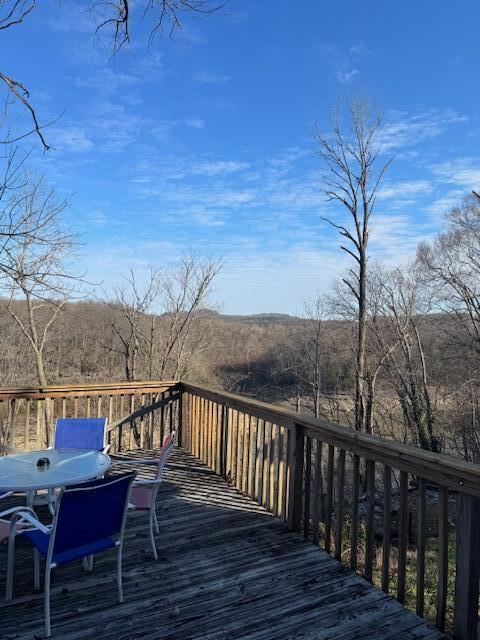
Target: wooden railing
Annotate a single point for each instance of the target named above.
(138, 413)
(406, 519)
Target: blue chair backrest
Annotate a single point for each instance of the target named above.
(91, 511)
(80, 433)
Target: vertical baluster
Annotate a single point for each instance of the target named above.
(219, 450)
(240, 449)
(272, 505)
(370, 522)
(202, 428)
(308, 484)
(88, 406)
(131, 434)
(354, 525)
(64, 407)
(442, 559)
(11, 423)
(387, 526)
(99, 406)
(229, 443)
(340, 502)
(402, 537)
(28, 408)
(420, 582)
(210, 434)
(162, 420)
(224, 439)
(266, 463)
(259, 468)
(295, 468)
(170, 393)
(329, 499)
(75, 407)
(151, 419)
(142, 423)
(246, 451)
(39, 423)
(110, 408)
(282, 485)
(252, 457)
(317, 492)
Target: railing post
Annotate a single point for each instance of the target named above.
(295, 475)
(468, 568)
(180, 416)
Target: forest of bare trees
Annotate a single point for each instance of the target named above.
(389, 350)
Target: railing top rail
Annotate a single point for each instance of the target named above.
(113, 388)
(453, 473)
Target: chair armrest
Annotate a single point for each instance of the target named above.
(106, 448)
(13, 510)
(24, 514)
(133, 461)
(143, 483)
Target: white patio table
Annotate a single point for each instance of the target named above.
(49, 469)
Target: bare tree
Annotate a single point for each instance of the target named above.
(114, 16)
(351, 155)
(131, 303)
(165, 15)
(400, 311)
(185, 295)
(33, 263)
(451, 266)
(309, 345)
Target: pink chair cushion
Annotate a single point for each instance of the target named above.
(141, 497)
(5, 528)
(167, 441)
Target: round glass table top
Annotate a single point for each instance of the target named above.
(50, 468)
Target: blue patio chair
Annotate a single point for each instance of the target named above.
(90, 518)
(81, 433)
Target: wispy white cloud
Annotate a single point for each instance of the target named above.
(464, 172)
(404, 189)
(71, 138)
(195, 123)
(344, 63)
(402, 129)
(217, 167)
(440, 206)
(209, 77)
(344, 76)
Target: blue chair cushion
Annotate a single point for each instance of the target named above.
(40, 541)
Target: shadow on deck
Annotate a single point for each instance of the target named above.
(226, 570)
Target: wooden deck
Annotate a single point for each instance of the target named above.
(226, 570)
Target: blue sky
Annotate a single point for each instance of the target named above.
(204, 142)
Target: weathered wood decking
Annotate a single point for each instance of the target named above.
(226, 570)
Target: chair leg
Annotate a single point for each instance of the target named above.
(36, 569)
(88, 563)
(119, 574)
(152, 537)
(46, 596)
(154, 507)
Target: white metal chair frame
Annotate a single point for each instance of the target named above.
(155, 484)
(26, 513)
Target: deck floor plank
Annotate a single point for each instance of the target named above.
(227, 570)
